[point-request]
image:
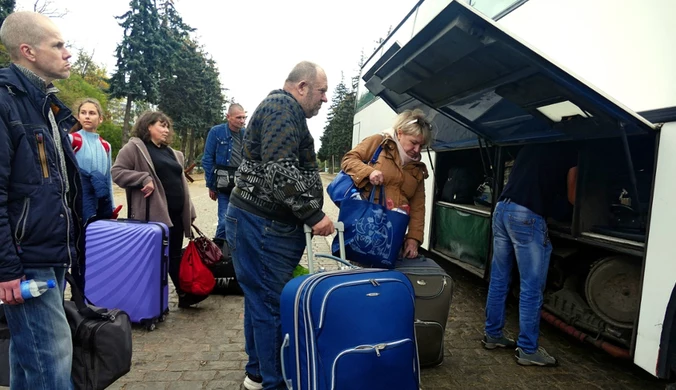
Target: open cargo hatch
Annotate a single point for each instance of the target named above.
(474, 77)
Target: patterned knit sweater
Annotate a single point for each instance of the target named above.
(279, 177)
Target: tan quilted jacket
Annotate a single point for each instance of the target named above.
(404, 185)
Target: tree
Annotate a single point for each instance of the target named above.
(190, 88)
(337, 137)
(45, 7)
(175, 34)
(193, 98)
(76, 87)
(91, 72)
(139, 58)
(6, 8)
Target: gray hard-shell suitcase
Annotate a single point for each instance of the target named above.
(433, 293)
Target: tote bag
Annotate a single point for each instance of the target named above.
(373, 234)
(194, 277)
(339, 188)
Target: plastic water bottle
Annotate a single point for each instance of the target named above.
(34, 288)
(354, 194)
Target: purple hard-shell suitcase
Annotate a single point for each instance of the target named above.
(127, 264)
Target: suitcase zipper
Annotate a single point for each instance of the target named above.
(87, 349)
(436, 325)
(374, 282)
(312, 279)
(377, 348)
(310, 329)
(441, 291)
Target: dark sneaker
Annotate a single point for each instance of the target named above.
(253, 382)
(500, 342)
(538, 358)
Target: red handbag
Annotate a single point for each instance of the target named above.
(209, 252)
(194, 277)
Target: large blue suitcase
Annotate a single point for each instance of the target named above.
(349, 329)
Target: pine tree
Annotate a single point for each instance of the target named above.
(139, 58)
(175, 33)
(6, 8)
(191, 92)
(337, 137)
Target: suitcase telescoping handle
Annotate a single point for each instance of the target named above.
(129, 211)
(340, 228)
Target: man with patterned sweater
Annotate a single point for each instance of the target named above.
(278, 190)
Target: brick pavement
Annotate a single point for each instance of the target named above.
(203, 348)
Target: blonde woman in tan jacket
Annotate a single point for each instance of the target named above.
(398, 169)
(147, 167)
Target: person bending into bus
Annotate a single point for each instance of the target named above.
(520, 230)
(399, 169)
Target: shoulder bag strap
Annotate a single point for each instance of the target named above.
(78, 297)
(106, 145)
(376, 154)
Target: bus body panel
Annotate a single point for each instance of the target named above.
(660, 266)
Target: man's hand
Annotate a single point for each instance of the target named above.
(411, 248)
(213, 195)
(323, 227)
(10, 292)
(376, 178)
(148, 189)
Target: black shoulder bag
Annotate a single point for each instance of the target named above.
(225, 178)
(101, 342)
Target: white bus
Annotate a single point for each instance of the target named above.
(497, 74)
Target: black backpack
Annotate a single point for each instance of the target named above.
(460, 186)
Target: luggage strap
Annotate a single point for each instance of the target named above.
(80, 300)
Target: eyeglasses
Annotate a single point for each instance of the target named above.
(422, 122)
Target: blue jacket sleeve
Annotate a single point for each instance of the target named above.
(10, 263)
(209, 158)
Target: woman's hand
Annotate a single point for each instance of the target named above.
(411, 248)
(148, 189)
(376, 178)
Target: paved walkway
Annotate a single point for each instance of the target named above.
(203, 348)
(200, 348)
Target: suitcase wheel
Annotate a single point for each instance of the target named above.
(150, 324)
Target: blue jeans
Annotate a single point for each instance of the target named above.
(223, 201)
(264, 254)
(519, 232)
(41, 348)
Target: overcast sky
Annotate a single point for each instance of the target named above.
(254, 42)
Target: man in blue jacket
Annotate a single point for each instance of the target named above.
(222, 156)
(39, 201)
